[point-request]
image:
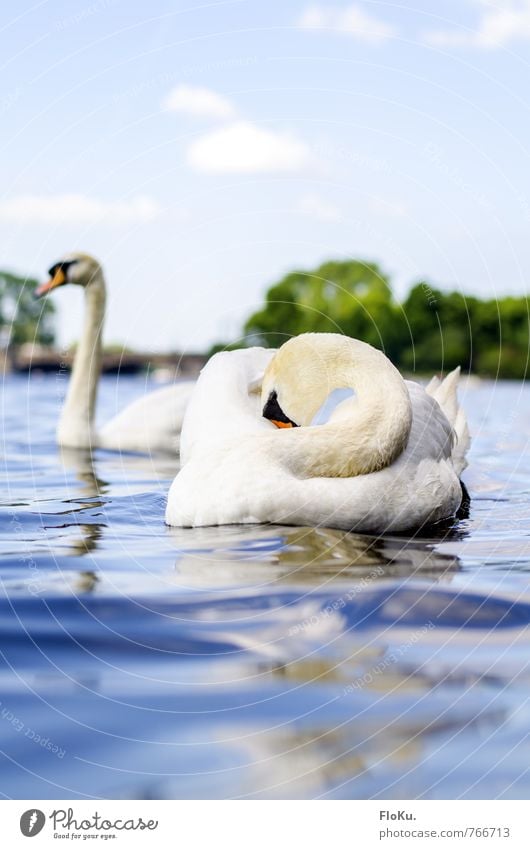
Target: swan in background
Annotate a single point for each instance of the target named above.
(388, 458)
(151, 423)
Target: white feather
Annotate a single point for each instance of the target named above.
(238, 468)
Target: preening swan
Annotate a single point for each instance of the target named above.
(388, 458)
(152, 423)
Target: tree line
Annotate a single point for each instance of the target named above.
(428, 331)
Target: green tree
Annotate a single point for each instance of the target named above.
(441, 329)
(22, 318)
(501, 337)
(351, 297)
(429, 331)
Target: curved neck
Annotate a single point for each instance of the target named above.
(77, 416)
(371, 431)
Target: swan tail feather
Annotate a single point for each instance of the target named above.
(433, 385)
(445, 392)
(446, 395)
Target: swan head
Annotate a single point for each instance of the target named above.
(303, 373)
(79, 268)
(363, 435)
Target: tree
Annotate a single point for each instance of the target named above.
(351, 297)
(430, 331)
(501, 337)
(22, 318)
(441, 329)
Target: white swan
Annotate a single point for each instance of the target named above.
(388, 459)
(151, 423)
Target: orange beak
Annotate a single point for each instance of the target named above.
(57, 280)
(282, 424)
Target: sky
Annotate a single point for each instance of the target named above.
(201, 150)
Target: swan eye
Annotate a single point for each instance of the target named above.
(274, 413)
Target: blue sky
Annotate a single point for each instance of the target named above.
(201, 150)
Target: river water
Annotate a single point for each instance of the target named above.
(139, 661)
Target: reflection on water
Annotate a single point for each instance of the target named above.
(81, 464)
(224, 556)
(143, 661)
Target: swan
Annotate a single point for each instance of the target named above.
(388, 458)
(149, 424)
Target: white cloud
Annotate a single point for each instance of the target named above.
(497, 27)
(317, 207)
(244, 148)
(75, 209)
(387, 207)
(352, 20)
(200, 102)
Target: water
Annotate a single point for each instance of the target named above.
(258, 662)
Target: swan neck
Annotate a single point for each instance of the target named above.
(371, 436)
(77, 418)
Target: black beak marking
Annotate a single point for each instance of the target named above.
(274, 412)
(64, 266)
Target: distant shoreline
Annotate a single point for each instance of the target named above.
(169, 366)
(36, 358)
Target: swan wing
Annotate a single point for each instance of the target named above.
(150, 424)
(421, 487)
(225, 401)
(239, 483)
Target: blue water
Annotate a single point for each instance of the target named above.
(139, 661)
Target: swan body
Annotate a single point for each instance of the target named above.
(387, 459)
(151, 423)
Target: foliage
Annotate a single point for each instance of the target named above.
(22, 318)
(340, 297)
(429, 331)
